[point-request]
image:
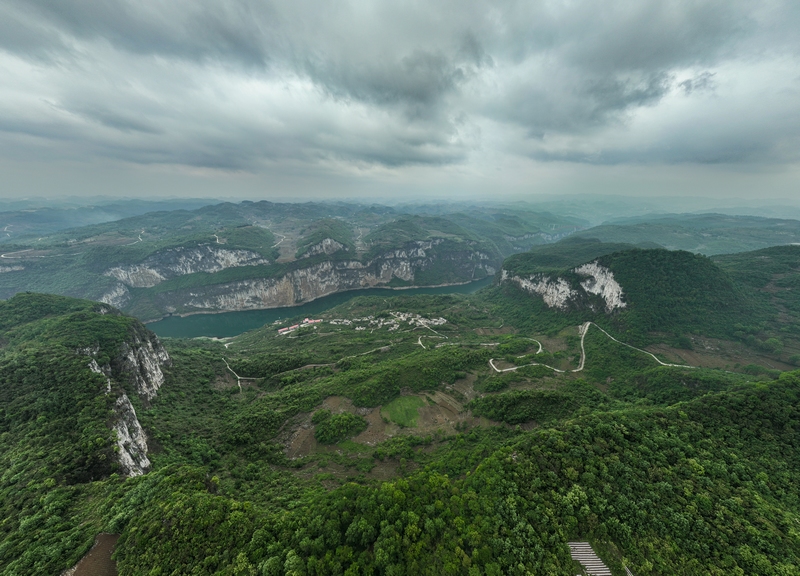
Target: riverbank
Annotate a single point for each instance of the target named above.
(356, 292)
(232, 323)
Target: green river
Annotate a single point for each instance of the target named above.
(227, 324)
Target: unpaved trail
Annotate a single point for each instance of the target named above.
(136, 241)
(238, 378)
(583, 330)
(279, 242)
(97, 561)
(653, 356)
(9, 254)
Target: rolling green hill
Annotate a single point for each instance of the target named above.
(659, 291)
(272, 455)
(701, 233)
(265, 255)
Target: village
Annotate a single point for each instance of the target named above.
(371, 322)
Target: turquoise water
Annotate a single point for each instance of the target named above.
(234, 323)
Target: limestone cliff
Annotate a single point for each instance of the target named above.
(117, 296)
(434, 261)
(564, 293)
(180, 261)
(131, 439)
(140, 360)
(138, 364)
(327, 246)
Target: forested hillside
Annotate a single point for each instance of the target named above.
(423, 434)
(260, 255)
(656, 293)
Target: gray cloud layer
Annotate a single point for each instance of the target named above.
(245, 84)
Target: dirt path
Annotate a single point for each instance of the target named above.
(136, 241)
(583, 330)
(97, 561)
(653, 356)
(279, 242)
(238, 378)
(8, 254)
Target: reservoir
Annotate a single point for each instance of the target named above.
(227, 324)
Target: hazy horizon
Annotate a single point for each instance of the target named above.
(282, 100)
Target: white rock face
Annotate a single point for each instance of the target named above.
(302, 285)
(131, 439)
(327, 246)
(556, 293)
(136, 275)
(180, 261)
(118, 296)
(139, 361)
(142, 360)
(95, 367)
(601, 282)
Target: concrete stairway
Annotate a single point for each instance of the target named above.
(583, 553)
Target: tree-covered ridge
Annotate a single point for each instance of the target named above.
(56, 444)
(272, 455)
(705, 487)
(664, 291)
(320, 230)
(147, 264)
(707, 234)
(560, 257)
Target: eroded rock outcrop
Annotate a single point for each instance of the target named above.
(140, 360)
(138, 364)
(327, 246)
(131, 439)
(555, 292)
(180, 261)
(561, 293)
(601, 281)
(117, 296)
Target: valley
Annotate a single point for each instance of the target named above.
(640, 401)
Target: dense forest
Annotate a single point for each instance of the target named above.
(420, 434)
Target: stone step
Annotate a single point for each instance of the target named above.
(584, 554)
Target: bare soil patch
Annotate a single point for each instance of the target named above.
(494, 331)
(97, 561)
(442, 412)
(224, 382)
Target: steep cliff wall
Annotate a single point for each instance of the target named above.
(429, 262)
(180, 261)
(140, 361)
(131, 439)
(139, 364)
(327, 246)
(117, 296)
(302, 285)
(563, 293)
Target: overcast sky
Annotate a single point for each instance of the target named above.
(281, 99)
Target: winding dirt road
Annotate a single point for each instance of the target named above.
(583, 330)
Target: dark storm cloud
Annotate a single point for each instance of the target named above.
(200, 30)
(239, 84)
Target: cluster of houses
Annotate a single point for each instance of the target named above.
(373, 323)
(391, 324)
(303, 324)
